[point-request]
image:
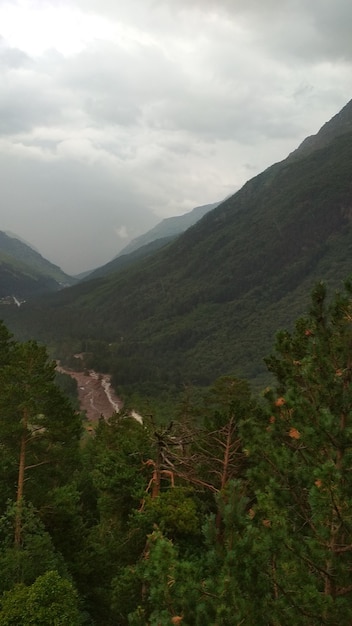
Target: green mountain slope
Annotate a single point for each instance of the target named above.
(169, 227)
(210, 302)
(146, 244)
(25, 273)
(125, 260)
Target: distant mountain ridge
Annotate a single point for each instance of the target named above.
(151, 241)
(12, 235)
(169, 227)
(210, 302)
(25, 273)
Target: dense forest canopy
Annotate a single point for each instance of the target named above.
(228, 509)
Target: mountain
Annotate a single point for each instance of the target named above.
(210, 302)
(169, 227)
(125, 260)
(24, 273)
(158, 237)
(340, 124)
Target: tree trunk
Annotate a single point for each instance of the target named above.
(20, 481)
(225, 473)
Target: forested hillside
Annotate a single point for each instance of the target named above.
(209, 303)
(230, 510)
(143, 246)
(169, 227)
(130, 258)
(24, 273)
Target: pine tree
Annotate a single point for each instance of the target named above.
(39, 431)
(301, 471)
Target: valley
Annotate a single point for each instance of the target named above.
(210, 301)
(231, 504)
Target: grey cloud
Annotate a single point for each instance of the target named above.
(21, 109)
(333, 23)
(229, 101)
(28, 97)
(307, 31)
(12, 57)
(116, 85)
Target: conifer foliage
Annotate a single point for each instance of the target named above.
(302, 469)
(39, 441)
(237, 512)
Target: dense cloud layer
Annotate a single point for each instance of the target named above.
(115, 115)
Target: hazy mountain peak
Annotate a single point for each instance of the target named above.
(12, 235)
(151, 241)
(169, 227)
(24, 271)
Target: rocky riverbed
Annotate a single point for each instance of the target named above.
(95, 393)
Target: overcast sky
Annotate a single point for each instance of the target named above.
(117, 113)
